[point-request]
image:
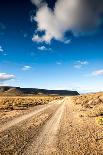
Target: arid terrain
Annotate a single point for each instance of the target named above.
(51, 125)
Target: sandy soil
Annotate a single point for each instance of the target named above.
(59, 128)
(79, 134)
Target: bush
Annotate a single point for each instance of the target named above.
(25, 102)
(100, 120)
(96, 111)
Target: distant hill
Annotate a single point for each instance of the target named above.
(17, 91)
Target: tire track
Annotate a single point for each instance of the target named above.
(16, 137)
(47, 137)
(24, 117)
(78, 134)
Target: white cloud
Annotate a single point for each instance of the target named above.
(58, 63)
(83, 62)
(36, 2)
(79, 64)
(47, 38)
(77, 16)
(5, 77)
(1, 49)
(68, 41)
(43, 48)
(5, 54)
(97, 72)
(26, 68)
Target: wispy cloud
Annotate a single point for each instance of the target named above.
(5, 77)
(68, 41)
(58, 63)
(36, 2)
(26, 68)
(1, 49)
(79, 64)
(83, 62)
(97, 72)
(43, 48)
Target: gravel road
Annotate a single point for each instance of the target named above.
(59, 128)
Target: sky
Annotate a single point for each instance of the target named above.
(52, 44)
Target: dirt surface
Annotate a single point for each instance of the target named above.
(59, 128)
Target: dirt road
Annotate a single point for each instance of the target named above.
(59, 128)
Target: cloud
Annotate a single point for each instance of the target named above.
(68, 41)
(83, 62)
(6, 77)
(97, 72)
(1, 49)
(36, 2)
(58, 63)
(77, 16)
(5, 54)
(79, 64)
(26, 68)
(43, 48)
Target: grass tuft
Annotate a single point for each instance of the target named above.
(18, 102)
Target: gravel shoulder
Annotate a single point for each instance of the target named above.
(59, 128)
(79, 134)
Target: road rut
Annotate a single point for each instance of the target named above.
(46, 139)
(23, 117)
(59, 128)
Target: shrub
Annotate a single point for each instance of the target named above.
(96, 111)
(25, 102)
(99, 120)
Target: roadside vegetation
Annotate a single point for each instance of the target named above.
(92, 104)
(24, 102)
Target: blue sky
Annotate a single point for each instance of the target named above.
(36, 52)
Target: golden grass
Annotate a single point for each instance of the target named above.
(93, 103)
(24, 102)
(89, 100)
(96, 111)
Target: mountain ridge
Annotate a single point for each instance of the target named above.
(9, 90)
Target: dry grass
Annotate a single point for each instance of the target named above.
(18, 102)
(96, 111)
(99, 120)
(93, 103)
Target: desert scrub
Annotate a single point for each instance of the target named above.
(99, 120)
(96, 111)
(89, 100)
(25, 102)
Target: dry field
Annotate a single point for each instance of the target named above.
(92, 104)
(18, 102)
(12, 107)
(64, 126)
